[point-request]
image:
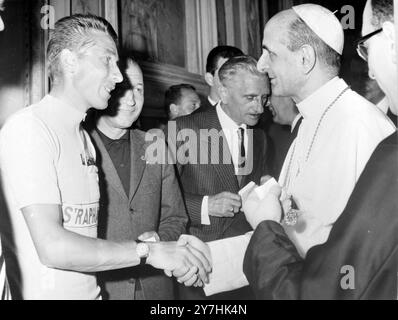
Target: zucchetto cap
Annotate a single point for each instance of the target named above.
(323, 23)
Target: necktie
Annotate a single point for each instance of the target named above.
(241, 154)
(242, 151)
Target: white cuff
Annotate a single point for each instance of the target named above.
(205, 219)
(227, 259)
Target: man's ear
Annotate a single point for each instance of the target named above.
(68, 60)
(389, 32)
(223, 93)
(174, 109)
(308, 58)
(209, 78)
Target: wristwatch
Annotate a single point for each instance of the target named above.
(142, 250)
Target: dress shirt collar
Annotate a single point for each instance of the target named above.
(211, 101)
(226, 122)
(314, 106)
(66, 112)
(383, 105)
(295, 121)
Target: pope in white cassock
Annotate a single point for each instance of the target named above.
(340, 130)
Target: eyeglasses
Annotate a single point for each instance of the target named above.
(361, 47)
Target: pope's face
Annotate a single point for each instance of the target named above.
(381, 60)
(279, 62)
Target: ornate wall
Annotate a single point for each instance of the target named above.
(171, 39)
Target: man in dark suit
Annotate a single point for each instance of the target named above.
(216, 58)
(139, 200)
(211, 184)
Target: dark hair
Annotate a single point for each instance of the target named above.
(174, 95)
(383, 10)
(300, 34)
(221, 52)
(73, 33)
(235, 64)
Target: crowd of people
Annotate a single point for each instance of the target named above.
(94, 215)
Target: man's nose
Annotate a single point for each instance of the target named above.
(117, 75)
(371, 75)
(262, 64)
(131, 99)
(258, 106)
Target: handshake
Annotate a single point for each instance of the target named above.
(188, 259)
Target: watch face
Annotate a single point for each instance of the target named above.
(142, 250)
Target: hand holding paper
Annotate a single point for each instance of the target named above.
(261, 203)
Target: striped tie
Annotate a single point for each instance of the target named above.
(242, 151)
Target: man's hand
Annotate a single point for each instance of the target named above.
(224, 205)
(198, 248)
(257, 211)
(150, 236)
(183, 261)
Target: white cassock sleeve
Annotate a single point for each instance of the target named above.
(227, 256)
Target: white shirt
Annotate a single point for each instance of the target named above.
(347, 136)
(212, 102)
(230, 129)
(383, 105)
(45, 160)
(295, 121)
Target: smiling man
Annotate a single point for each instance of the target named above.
(50, 177)
(138, 200)
(302, 48)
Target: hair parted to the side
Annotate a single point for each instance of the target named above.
(299, 34)
(174, 95)
(73, 33)
(237, 64)
(220, 52)
(383, 10)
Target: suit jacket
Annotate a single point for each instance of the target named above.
(361, 252)
(199, 180)
(205, 106)
(154, 204)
